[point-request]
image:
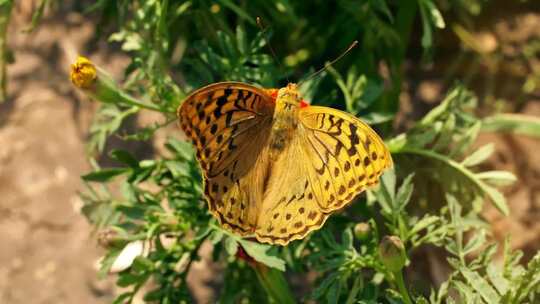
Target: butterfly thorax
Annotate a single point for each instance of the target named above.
(285, 118)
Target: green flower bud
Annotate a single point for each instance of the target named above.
(362, 231)
(392, 253)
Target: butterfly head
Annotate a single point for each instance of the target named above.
(289, 96)
(291, 90)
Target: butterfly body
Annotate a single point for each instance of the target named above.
(285, 119)
(273, 167)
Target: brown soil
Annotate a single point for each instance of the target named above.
(48, 254)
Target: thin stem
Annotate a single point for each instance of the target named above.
(272, 280)
(5, 14)
(193, 255)
(126, 98)
(274, 283)
(404, 22)
(357, 285)
(108, 91)
(398, 276)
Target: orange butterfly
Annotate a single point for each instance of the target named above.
(275, 167)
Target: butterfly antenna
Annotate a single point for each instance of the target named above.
(263, 30)
(352, 46)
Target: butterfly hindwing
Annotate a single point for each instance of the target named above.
(290, 209)
(332, 157)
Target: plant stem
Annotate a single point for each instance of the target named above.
(274, 284)
(357, 285)
(398, 276)
(128, 99)
(5, 14)
(108, 91)
(404, 23)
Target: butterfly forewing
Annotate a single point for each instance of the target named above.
(220, 116)
(345, 154)
(229, 124)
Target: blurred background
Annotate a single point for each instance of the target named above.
(48, 253)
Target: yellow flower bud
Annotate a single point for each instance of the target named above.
(392, 253)
(83, 73)
(99, 85)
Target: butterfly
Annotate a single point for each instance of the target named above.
(275, 167)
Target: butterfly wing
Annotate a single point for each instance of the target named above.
(229, 124)
(332, 158)
(345, 153)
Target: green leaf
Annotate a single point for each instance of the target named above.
(182, 8)
(427, 36)
(231, 246)
(497, 178)
(8, 2)
(441, 109)
(104, 175)
(479, 155)
(467, 293)
(347, 238)
(142, 264)
(467, 139)
(496, 197)
(421, 300)
(37, 15)
(177, 169)
(480, 285)
(435, 14)
(446, 133)
(123, 298)
(374, 118)
(238, 10)
(475, 242)
(383, 7)
(332, 296)
(425, 222)
(216, 236)
(183, 149)
(126, 279)
(124, 157)
(259, 252)
(388, 183)
(322, 288)
(154, 296)
(241, 41)
(496, 277)
(512, 123)
(404, 193)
